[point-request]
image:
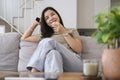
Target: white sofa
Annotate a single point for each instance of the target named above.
(15, 54)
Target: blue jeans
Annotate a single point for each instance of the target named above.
(51, 56)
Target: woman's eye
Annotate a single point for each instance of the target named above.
(52, 14)
(46, 18)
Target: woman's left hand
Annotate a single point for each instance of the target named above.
(75, 44)
(57, 27)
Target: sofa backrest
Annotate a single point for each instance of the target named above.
(9, 51)
(91, 49)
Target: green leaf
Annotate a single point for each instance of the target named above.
(106, 37)
(108, 27)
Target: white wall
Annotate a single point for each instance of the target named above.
(101, 6)
(1, 8)
(68, 11)
(87, 9)
(8, 9)
(85, 13)
(75, 13)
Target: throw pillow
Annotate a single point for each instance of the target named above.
(9, 51)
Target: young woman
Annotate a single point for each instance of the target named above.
(52, 55)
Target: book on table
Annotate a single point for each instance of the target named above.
(23, 78)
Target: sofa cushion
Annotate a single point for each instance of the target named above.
(26, 51)
(9, 51)
(91, 49)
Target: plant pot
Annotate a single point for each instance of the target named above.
(111, 64)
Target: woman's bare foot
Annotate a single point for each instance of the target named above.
(34, 70)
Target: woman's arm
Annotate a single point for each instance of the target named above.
(27, 36)
(75, 44)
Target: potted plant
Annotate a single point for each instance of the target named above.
(108, 33)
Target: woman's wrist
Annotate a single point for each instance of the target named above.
(65, 34)
(31, 29)
(34, 25)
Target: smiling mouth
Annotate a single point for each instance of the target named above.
(54, 20)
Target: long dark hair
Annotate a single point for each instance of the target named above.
(46, 30)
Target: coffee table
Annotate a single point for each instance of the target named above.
(40, 76)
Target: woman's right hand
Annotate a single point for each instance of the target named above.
(37, 22)
(27, 36)
(38, 19)
(34, 25)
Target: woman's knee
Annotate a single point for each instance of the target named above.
(53, 62)
(53, 53)
(47, 41)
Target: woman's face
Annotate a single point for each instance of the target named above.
(51, 17)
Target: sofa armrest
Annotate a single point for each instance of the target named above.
(25, 52)
(9, 51)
